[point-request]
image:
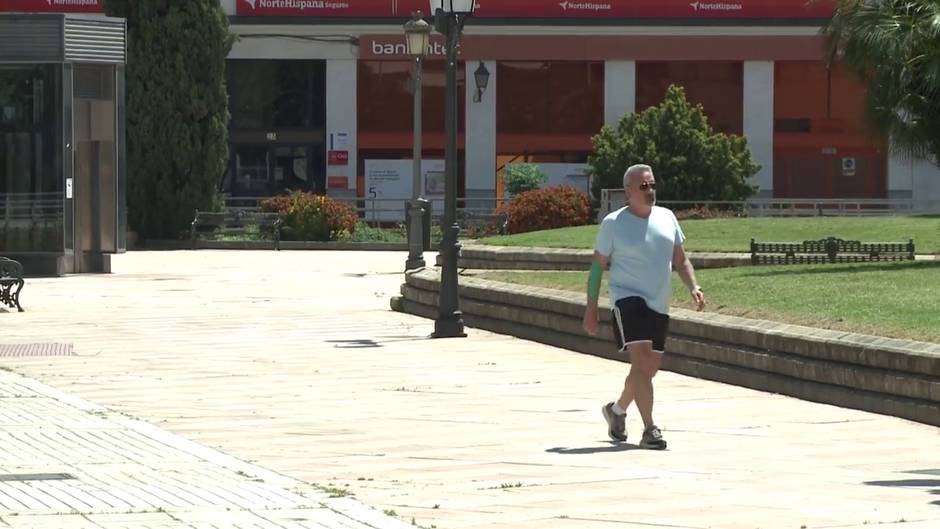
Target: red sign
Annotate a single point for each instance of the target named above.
(54, 6)
(552, 9)
(317, 8)
(651, 9)
(337, 157)
(337, 182)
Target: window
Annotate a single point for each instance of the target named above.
(31, 210)
(550, 97)
(386, 96)
(271, 95)
(717, 85)
(808, 90)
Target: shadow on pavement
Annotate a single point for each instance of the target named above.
(369, 342)
(906, 483)
(914, 482)
(613, 447)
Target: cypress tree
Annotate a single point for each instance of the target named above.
(177, 110)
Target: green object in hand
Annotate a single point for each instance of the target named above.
(594, 281)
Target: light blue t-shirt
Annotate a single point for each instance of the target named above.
(640, 254)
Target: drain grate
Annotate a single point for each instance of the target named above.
(35, 477)
(19, 350)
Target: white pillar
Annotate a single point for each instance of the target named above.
(341, 75)
(759, 121)
(925, 186)
(480, 145)
(229, 7)
(900, 176)
(916, 179)
(619, 90)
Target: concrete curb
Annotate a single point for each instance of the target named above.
(882, 375)
(269, 245)
(482, 257)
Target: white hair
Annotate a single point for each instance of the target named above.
(635, 169)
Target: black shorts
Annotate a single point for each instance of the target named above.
(635, 322)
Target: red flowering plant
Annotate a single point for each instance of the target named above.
(546, 209)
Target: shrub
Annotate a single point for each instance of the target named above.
(310, 217)
(690, 160)
(545, 209)
(522, 177)
(366, 233)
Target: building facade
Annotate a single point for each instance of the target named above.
(558, 72)
(321, 96)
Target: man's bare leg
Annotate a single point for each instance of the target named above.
(626, 397)
(645, 364)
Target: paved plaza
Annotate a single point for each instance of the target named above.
(277, 389)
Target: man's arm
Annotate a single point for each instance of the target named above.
(687, 273)
(598, 265)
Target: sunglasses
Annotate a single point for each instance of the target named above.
(648, 185)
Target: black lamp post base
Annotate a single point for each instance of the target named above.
(449, 327)
(414, 264)
(415, 212)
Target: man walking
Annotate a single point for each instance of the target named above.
(641, 243)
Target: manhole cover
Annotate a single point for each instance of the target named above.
(35, 349)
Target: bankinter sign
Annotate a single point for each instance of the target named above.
(390, 49)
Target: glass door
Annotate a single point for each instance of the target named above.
(291, 169)
(250, 175)
(94, 161)
(268, 170)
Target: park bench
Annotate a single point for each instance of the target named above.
(829, 250)
(236, 221)
(11, 275)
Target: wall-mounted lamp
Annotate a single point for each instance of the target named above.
(482, 78)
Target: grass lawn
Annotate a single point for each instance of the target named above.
(734, 234)
(898, 300)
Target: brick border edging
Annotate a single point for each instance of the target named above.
(269, 245)
(483, 257)
(894, 377)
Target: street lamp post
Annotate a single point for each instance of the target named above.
(449, 19)
(417, 36)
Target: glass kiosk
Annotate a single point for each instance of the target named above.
(62, 150)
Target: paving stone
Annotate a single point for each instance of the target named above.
(304, 376)
(89, 467)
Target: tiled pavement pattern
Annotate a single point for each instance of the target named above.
(292, 361)
(67, 463)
